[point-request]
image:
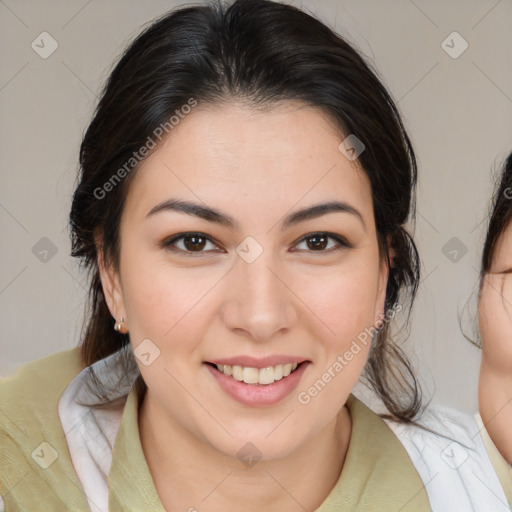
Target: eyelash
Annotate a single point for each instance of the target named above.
(168, 243)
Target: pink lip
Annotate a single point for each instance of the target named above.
(254, 362)
(255, 395)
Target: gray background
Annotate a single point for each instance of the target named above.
(458, 112)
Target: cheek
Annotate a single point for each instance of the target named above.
(156, 297)
(169, 308)
(346, 303)
(147, 299)
(344, 299)
(160, 302)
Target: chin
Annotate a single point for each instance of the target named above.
(257, 444)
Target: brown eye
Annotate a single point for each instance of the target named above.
(194, 243)
(322, 242)
(189, 243)
(317, 242)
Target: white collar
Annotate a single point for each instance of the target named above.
(91, 431)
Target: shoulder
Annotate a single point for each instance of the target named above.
(40, 379)
(29, 397)
(34, 451)
(448, 451)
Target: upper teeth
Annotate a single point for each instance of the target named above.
(257, 375)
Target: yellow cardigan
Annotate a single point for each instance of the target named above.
(377, 474)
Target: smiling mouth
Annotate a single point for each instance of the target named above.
(257, 376)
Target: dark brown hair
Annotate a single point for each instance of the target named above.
(261, 52)
(501, 214)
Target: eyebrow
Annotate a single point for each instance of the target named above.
(215, 216)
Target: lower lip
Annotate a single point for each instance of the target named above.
(256, 395)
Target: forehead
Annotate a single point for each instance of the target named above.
(250, 161)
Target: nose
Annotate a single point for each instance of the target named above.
(259, 304)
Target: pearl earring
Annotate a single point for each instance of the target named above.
(119, 327)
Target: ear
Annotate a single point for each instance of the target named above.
(111, 284)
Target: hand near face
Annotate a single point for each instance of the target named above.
(495, 385)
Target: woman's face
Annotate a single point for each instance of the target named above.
(265, 279)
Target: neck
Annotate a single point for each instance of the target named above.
(189, 473)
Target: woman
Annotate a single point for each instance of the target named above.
(495, 385)
(244, 188)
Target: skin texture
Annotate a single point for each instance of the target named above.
(495, 321)
(293, 300)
